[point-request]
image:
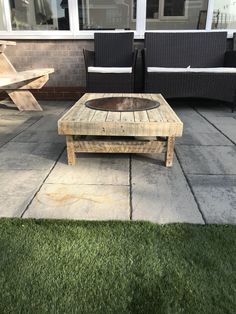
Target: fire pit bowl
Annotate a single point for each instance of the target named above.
(122, 104)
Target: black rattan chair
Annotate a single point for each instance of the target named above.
(186, 51)
(110, 67)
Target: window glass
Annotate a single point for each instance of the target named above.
(39, 14)
(106, 14)
(224, 14)
(173, 14)
(152, 9)
(174, 8)
(2, 24)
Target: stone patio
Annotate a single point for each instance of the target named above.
(36, 181)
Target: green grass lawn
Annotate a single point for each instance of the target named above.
(116, 267)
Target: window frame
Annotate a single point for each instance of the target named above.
(76, 33)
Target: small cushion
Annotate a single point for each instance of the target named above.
(213, 70)
(192, 70)
(162, 69)
(109, 70)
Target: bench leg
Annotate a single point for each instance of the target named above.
(24, 100)
(70, 150)
(170, 151)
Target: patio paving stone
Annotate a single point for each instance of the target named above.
(193, 121)
(5, 110)
(203, 139)
(90, 202)
(207, 159)
(92, 169)
(227, 125)
(46, 123)
(43, 131)
(28, 156)
(36, 136)
(161, 195)
(216, 196)
(12, 125)
(197, 131)
(17, 189)
(218, 110)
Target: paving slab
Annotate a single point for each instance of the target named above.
(194, 121)
(193, 137)
(9, 109)
(84, 202)
(17, 189)
(227, 125)
(161, 194)
(36, 136)
(28, 156)
(12, 125)
(216, 196)
(46, 123)
(219, 110)
(56, 107)
(92, 169)
(207, 159)
(50, 107)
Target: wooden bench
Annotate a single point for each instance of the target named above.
(17, 84)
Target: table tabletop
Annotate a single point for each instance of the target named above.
(161, 121)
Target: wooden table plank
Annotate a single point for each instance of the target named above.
(7, 43)
(113, 116)
(99, 116)
(86, 115)
(12, 78)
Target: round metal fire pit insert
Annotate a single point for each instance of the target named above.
(122, 104)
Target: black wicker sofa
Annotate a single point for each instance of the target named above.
(190, 65)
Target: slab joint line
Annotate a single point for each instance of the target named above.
(130, 188)
(39, 188)
(215, 127)
(191, 189)
(25, 129)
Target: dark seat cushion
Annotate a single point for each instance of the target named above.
(113, 49)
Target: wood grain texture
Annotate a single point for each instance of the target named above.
(17, 84)
(24, 100)
(7, 80)
(120, 146)
(70, 150)
(160, 123)
(170, 151)
(7, 43)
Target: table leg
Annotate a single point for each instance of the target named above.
(70, 150)
(170, 151)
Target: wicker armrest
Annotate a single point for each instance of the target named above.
(144, 61)
(135, 53)
(89, 58)
(230, 59)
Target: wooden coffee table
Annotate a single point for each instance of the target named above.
(95, 131)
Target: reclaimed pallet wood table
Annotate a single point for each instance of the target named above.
(96, 131)
(17, 84)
